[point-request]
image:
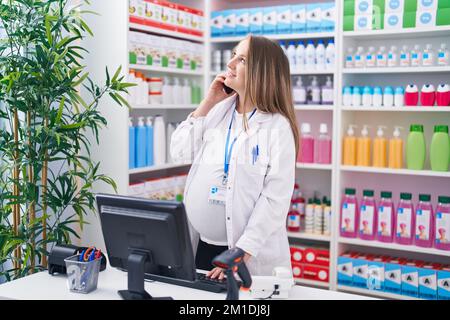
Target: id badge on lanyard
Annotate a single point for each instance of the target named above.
(217, 195)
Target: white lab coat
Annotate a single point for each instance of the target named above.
(258, 196)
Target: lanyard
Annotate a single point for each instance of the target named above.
(228, 152)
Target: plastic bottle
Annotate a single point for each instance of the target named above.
(356, 97)
(380, 149)
(367, 97)
(416, 56)
(141, 143)
(314, 91)
(388, 97)
(377, 97)
(370, 58)
(177, 91)
(149, 138)
(320, 55)
(428, 56)
(405, 57)
(132, 144)
(318, 217)
(186, 91)
(159, 140)
(396, 150)
(411, 95)
(443, 95)
(310, 61)
(442, 230)
(363, 148)
(309, 217)
(349, 58)
(349, 214)
(167, 92)
(132, 90)
(360, 58)
(349, 151)
(415, 148)
(440, 149)
(171, 126)
(323, 145)
(424, 223)
(300, 56)
(327, 216)
(427, 95)
(367, 216)
(299, 92)
(307, 144)
(293, 219)
(399, 97)
(405, 220)
(291, 55)
(393, 60)
(330, 54)
(443, 56)
(347, 96)
(386, 218)
(327, 92)
(382, 57)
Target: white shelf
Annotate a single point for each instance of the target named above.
(312, 72)
(314, 107)
(427, 173)
(166, 33)
(386, 70)
(394, 246)
(314, 283)
(380, 294)
(165, 106)
(313, 166)
(309, 236)
(142, 67)
(398, 109)
(399, 34)
(156, 168)
(293, 36)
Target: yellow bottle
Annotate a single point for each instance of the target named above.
(380, 149)
(349, 151)
(363, 148)
(396, 150)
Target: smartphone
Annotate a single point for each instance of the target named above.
(227, 90)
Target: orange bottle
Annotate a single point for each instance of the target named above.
(380, 149)
(349, 147)
(363, 148)
(396, 150)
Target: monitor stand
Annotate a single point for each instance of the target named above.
(136, 290)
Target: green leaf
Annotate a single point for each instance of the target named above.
(124, 101)
(60, 111)
(80, 80)
(72, 126)
(48, 29)
(85, 27)
(114, 78)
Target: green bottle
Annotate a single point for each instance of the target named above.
(440, 149)
(415, 148)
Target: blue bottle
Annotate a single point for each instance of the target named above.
(141, 143)
(149, 134)
(132, 144)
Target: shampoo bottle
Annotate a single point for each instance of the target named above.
(424, 222)
(377, 97)
(132, 144)
(314, 91)
(396, 150)
(415, 148)
(323, 145)
(367, 97)
(141, 143)
(380, 149)
(347, 96)
(349, 214)
(386, 218)
(404, 220)
(363, 148)
(349, 152)
(299, 92)
(356, 97)
(149, 134)
(159, 140)
(367, 216)
(328, 92)
(442, 230)
(440, 149)
(306, 144)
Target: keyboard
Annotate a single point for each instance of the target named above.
(201, 283)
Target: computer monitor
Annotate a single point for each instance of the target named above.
(146, 237)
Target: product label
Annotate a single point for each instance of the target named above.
(442, 227)
(384, 221)
(366, 220)
(349, 58)
(423, 224)
(348, 217)
(403, 222)
(294, 221)
(442, 58)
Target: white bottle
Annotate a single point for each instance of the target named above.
(388, 97)
(138, 87)
(367, 97)
(443, 56)
(360, 58)
(291, 55)
(382, 57)
(416, 56)
(399, 97)
(310, 60)
(299, 92)
(170, 129)
(330, 54)
(327, 212)
(392, 57)
(370, 58)
(283, 47)
(320, 55)
(309, 218)
(349, 59)
(144, 96)
(159, 140)
(177, 92)
(428, 56)
(405, 57)
(167, 92)
(315, 91)
(318, 219)
(300, 56)
(356, 97)
(347, 97)
(131, 90)
(328, 92)
(377, 100)
(186, 91)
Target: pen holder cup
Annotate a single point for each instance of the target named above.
(82, 277)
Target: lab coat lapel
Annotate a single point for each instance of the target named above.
(254, 126)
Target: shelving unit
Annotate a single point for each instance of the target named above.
(309, 236)
(314, 107)
(314, 166)
(166, 70)
(165, 106)
(307, 282)
(375, 293)
(165, 33)
(293, 36)
(427, 173)
(156, 168)
(397, 109)
(397, 34)
(388, 70)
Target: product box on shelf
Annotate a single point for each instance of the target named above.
(443, 283)
(363, 22)
(136, 8)
(426, 19)
(256, 20)
(410, 6)
(379, 6)
(349, 7)
(197, 22)
(363, 7)
(298, 18)
(428, 281)
(378, 21)
(393, 20)
(328, 16)
(349, 23)
(409, 19)
(360, 270)
(137, 189)
(229, 22)
(284, 19)
(443, 4)
(316, 256)
(376, 272)
(393, 275)
(392, 6)
(216, 23)
(316, 273)
(443, 17)
(297, 269)
(169, 15)
(297, 253)
(410, 278)
(269, 20)
(313, 17)
(345, 268)
(423, 5)
(184, 17)
(153, 13)
(242, 22)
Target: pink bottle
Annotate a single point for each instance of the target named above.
(405, 220)
(349, 214)
(411, 95)
(367, 216)
(427, 95)
(306, 144)
(424, 224)
(324, 145)
(386, 218)
(443, 95)
(442, 240)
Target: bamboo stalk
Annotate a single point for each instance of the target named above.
(44, 201)
(32, 206)
(16, 191)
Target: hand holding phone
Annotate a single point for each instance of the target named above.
(227, 89)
